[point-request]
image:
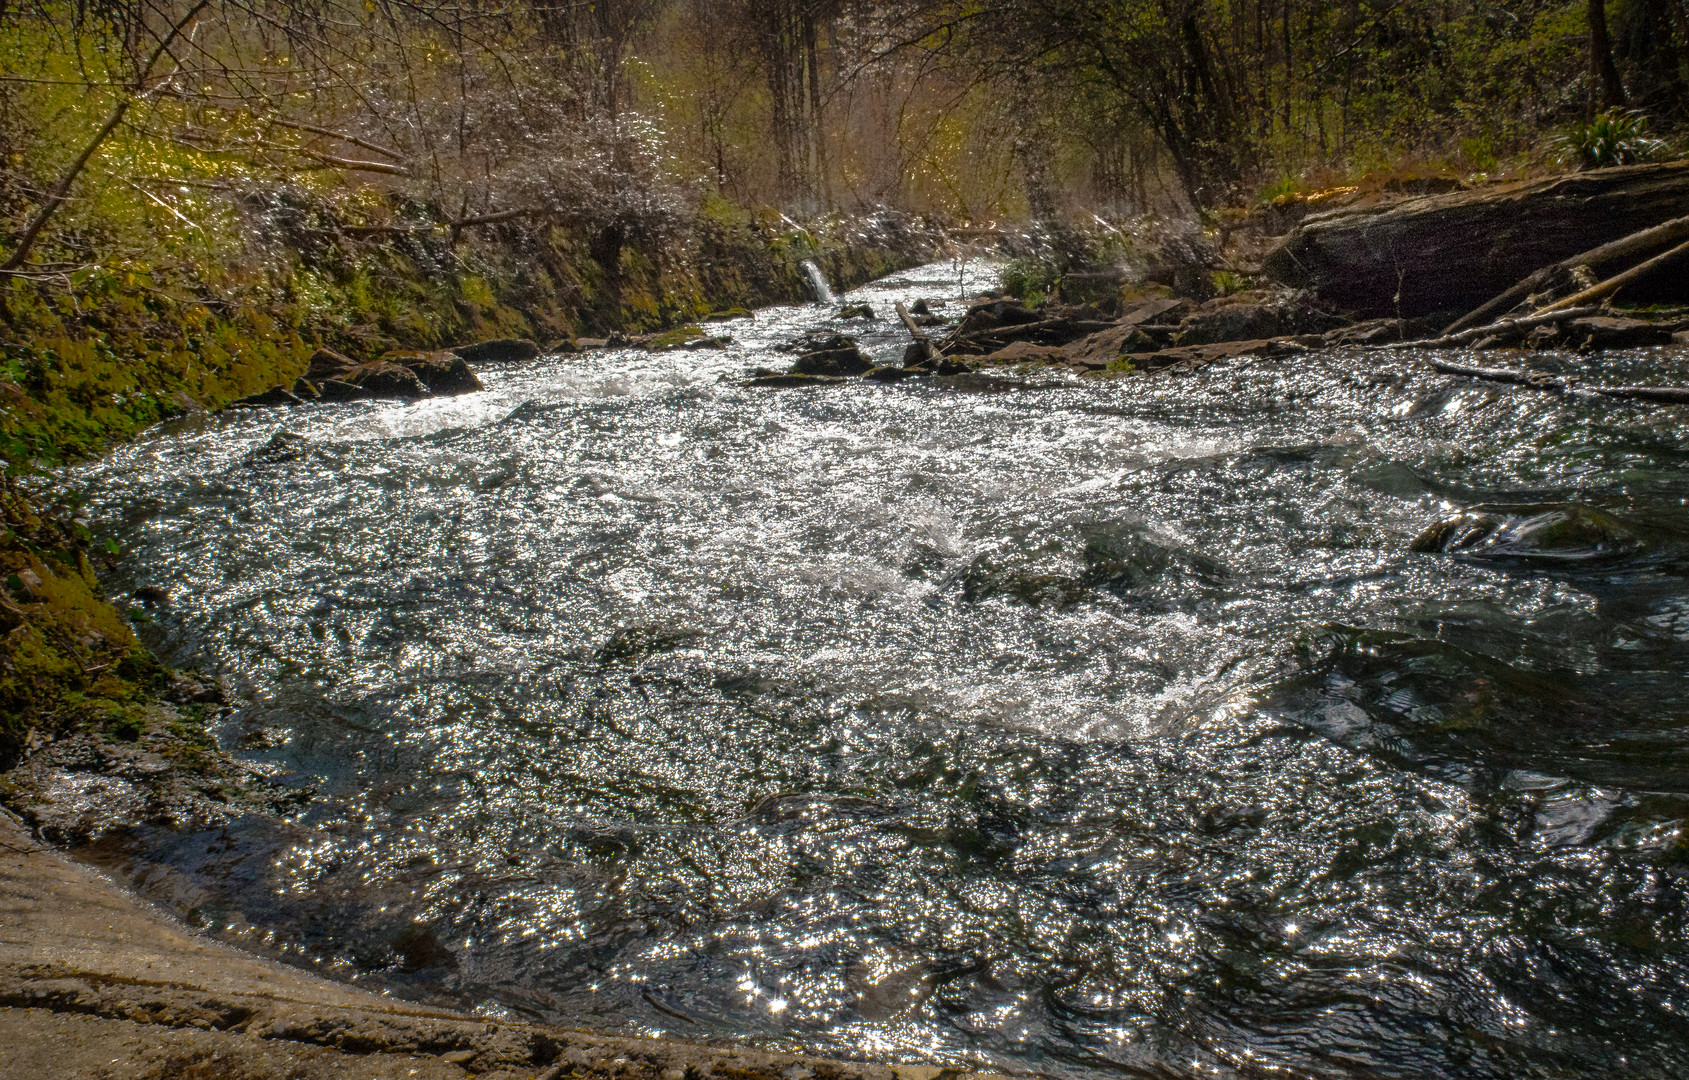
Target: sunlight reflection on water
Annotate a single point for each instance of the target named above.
(1099, 725)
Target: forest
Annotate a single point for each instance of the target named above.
(137, 129)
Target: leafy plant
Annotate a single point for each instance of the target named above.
(1619, 137)
(1227, 282)
(1029, 279)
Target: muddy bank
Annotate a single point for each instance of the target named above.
(96, 984)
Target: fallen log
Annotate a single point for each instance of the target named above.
(1619, 281)
(1635, 244)
(1452, 252)
(1535, 379)
(1505, 326)
(1540, 380)
(923, 344)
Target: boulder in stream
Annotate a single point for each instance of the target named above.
(443, 373)
(835, 355)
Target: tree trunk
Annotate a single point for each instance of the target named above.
(1605, 89)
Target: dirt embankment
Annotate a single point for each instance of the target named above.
(96, 985)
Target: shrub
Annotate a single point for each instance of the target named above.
(1613, 138)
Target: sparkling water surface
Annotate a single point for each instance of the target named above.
(1020, 721)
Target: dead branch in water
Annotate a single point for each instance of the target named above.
(1505, 326)
(1541, 380)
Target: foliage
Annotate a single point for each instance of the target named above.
(1612, 138)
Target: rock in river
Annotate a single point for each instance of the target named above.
(499, 351)
(1567, 532)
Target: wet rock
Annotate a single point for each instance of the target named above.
(1604, 332)
(283, 446)
(921, 307)
(1190, 357)
(989, 328)
(1368, 332)
(996, 314)
(333, 390)
(333, 377)
(383, 379)
(1024, 352)
(835, 362)
(890, 374)
(857, 311)
(328, 364)
(499, 351)
(1251, 317)
(1449, 253)
(1565, 533)
(790, 380)
(442, 373)
(153, 596)
(274, 396)
(918, 361)
(1681, 337)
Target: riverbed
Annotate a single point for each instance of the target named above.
(1016, 720)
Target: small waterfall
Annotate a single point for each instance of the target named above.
(823, 291)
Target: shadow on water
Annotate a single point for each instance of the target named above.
(1321, 717)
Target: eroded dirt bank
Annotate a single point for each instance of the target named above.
(94, 984)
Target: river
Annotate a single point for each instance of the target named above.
(1031, 722)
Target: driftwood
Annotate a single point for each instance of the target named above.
(1505, 326)
(928, 349)
(1636, 243)
(1619, 281)
(1541, 380)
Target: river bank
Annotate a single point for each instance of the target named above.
(97, 986)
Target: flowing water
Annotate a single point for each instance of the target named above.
(1082, 727)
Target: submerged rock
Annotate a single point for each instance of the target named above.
(1569, 532)
(283, 446)
(891, 374)
(630, 643)
(791, 380)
